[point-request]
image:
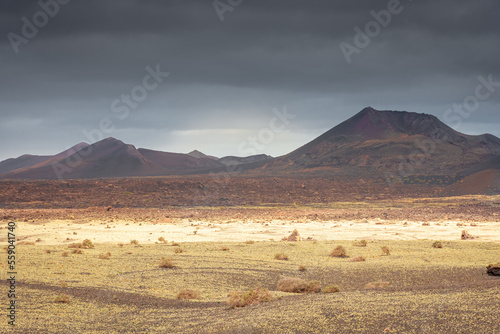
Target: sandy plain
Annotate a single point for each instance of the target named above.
(217, 250)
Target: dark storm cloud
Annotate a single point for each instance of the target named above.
(231, 74)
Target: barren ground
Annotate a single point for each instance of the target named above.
(232, 247)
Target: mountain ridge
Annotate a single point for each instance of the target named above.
(372, 143)
(111, 157)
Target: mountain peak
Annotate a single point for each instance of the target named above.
(199, 155)
(370, 123)
(368, 110)
(110, 140)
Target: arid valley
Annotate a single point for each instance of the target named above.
(250, 167)
(393, 278)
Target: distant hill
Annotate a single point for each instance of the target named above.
(28, 160)
(179, 162)
(486, 182)
(235, 161)
(199, 155)
(231, 160)
(25, 160)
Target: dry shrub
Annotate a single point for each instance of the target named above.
(250, 297)
(188, 294)
(281, 256)
(361, 243)
(62, 299)
(298, 285)
(339, 251)
(105, 256)
(178, 250)
(63, 284)
(426, 224)
(249, 242)
(65, 254)
(313, 287)
(386, 251)
(162, 239)
(166, 263)
(295, 236)
(357, 259)
(302, 268)
(175, 244)
(76, 251)
(224, 248)
(437, 244)
(85, 244)
(376, 285)
(120, 244)
(466, 235)
(134, 242)
(330, 289)
(292, 284)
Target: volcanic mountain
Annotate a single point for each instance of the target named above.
(112, 158)
(396, 143)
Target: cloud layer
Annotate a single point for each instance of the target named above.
(226, 77)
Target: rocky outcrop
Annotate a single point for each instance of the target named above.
(493, 269)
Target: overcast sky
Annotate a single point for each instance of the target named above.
(234, 67)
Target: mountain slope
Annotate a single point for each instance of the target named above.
(178, 161)
(375, 142)
(28, 160)
(25, 160)
(486, 182)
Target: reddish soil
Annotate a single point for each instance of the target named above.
(160, 199)
(485, 182)
(188, 191)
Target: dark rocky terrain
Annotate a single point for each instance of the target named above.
(393, 147)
